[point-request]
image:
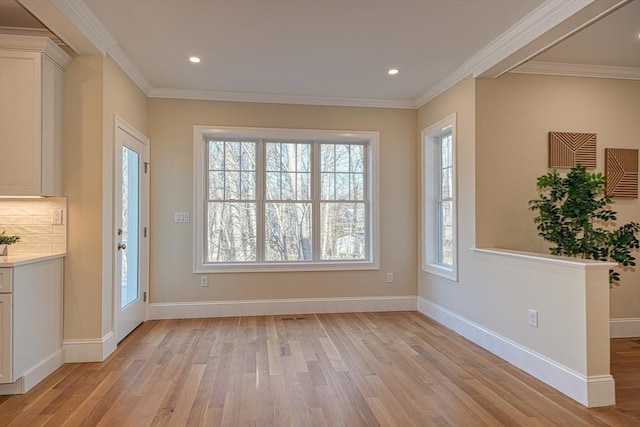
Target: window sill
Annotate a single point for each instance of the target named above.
(449, 273)
(285, 267)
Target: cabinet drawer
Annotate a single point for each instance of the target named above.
(6, 283)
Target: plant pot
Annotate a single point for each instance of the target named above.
(3, 250)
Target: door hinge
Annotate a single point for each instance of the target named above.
(144, 297)
(145, 232)
(146, 167)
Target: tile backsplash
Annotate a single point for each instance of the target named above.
(33, 221)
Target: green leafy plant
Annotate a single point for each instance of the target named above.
(8, 239)
(574, 215)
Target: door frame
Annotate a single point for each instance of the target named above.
(121, 124)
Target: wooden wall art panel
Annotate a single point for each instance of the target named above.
(621, 168)
(566, 149)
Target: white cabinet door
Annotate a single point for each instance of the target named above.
(20, 123)
(6, 339)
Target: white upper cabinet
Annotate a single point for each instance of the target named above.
(31, 104)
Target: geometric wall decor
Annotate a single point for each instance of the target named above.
(621, 169)
(566, 149)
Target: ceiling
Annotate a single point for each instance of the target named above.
(334, 52)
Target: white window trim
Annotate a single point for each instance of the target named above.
(202, 133)
(429, 214)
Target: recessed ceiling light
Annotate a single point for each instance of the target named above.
(393, 71)
(194, 59)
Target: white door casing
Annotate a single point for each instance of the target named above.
(131, 237)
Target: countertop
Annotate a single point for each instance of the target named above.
(16, 260)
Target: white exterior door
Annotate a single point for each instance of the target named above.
(131, 215)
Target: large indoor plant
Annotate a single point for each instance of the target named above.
(6, 240)
(574, 215)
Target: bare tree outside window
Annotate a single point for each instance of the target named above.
(269, 200)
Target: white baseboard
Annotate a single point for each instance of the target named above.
(188, 310)
(625, 327)
(34, 375)
(89, 350)
(589, 391)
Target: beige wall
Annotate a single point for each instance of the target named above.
(514, 115)
(495, 291)
(95, 90)
(460, 99)
(83, 187)
(171, 132)
(124, 99)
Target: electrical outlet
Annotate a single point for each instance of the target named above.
(181, 217)
(56, 217)
(389, 277)
(204, 281)
(533, 318)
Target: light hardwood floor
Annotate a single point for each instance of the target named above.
(363, 369)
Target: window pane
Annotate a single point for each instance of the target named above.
(273, 186)
(248, 186)
(342, 186)
(216, 155)
(357, 158)
(232, 155)
(216, 185)
(342, 158)
(232, 186)
(357, 187)
(288, 232)
(289, 159)
(248, 156)
(304, 186)
(446, 159)
(231, 232)
(328, 191)
(342, 231)
(327, 158)
(446, 179)
(304, 157)
(445, 232)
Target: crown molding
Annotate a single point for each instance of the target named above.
(38, 44)
(118, 55)
(82, 17)
(278, 99)
(539, 21)
(578, 70)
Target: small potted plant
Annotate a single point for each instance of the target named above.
(5, 241)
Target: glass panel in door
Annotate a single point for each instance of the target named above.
(130, 226)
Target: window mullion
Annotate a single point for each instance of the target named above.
(260, 199)
(315, 199)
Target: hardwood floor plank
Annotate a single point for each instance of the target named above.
(353, 369)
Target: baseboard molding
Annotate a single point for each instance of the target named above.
(189, 310)
(589, 391)
(89, 350)
(625, 327)
(34, 375)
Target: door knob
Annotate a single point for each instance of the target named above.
(122, 246)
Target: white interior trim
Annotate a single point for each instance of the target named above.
(541, 20)
(578, 70)
(585, 264)
(592, 391)
(202, 133)
(270, 307)
(89, 350)
(625, 327)
(211, 95)
(33, 376)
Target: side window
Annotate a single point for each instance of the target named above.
(440, 252)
